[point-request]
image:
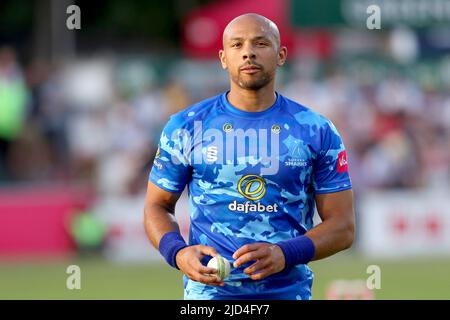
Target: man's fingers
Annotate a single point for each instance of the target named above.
(261, 274)
(197, 267)
(258, 265)
(194, 269)
(249, 256)
(205, 270)
(244, 249)
(208, 251)
(211, 280)
(200, 270)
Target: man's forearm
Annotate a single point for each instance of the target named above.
(158, 221)
(331, 236)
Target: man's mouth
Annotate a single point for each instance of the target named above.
(250, 69)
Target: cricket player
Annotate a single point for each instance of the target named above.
(256, 164)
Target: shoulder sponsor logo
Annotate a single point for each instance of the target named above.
(157, 164)
(342, 165)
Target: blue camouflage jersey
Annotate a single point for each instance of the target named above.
(251, 177)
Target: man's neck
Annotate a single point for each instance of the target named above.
(252, 100)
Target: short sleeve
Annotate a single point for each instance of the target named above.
(171, 167)
(331, 166)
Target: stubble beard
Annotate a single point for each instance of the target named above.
(255, 82)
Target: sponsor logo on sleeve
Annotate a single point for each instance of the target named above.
(342, 165)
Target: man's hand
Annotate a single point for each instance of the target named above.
(269, 259)
(188, 260)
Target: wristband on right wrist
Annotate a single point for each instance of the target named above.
(169, 245)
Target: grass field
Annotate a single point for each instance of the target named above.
(406, 279)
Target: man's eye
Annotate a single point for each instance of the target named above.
(262, 44)
(234, 45)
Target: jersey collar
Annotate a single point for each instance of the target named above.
(229, 108)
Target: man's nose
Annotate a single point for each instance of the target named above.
(248, 53)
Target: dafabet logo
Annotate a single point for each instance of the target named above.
(252, 187)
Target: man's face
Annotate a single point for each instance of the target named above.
(251, 54)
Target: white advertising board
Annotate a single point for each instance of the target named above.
(404, 224)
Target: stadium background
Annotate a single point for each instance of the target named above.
(81, 112)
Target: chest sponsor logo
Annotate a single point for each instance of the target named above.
(252, 187)
(252, 207)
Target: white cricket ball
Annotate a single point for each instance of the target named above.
(222, 265)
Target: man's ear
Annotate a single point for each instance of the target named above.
(222, 59)
(282, 56)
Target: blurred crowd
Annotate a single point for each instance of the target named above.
(97, 121)
(395, 126)
(76, 123)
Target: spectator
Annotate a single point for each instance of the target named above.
(13, 102)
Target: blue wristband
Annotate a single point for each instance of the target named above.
(299, 250)
(169, 245)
